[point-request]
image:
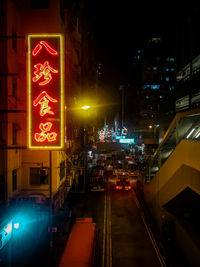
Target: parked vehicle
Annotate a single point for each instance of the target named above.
(133, 170)
(80, 248)
(97, 180)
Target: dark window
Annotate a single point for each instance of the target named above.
(3, 191)
(14, 40)
(14, 133)
(14, 180)
(62, 170)
(40, 3)
(14, 87)
(1, 131)
(39, 176)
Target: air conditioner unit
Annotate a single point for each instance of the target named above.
(44, 172)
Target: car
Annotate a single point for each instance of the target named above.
(123, 183)
(133, 170)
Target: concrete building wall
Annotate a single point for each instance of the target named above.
(180, 171)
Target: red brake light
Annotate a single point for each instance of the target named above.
(117, 187)
(129, 187)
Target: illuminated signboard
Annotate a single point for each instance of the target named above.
(127, 141)
(45, 91)
(101, 135)
(120, 137)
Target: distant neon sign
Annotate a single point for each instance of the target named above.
(120, 137)
(45, 91)
(127, 141)
(101, 135)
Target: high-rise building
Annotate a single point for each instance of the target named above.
(156, 68)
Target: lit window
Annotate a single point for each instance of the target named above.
(155, 87)
(171, 59)
(146, 86)
(147, 97)
(172, 69)
(155, 67)
(167, 79)
(161, 96)
(171, 88)
(167, 69)
(138, 57)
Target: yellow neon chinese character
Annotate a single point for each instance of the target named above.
(41, 137)
(43, 99)
(43, 70)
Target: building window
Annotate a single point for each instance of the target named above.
(3, 191)
(170, 59)
(167, 79)
(14, 180)
(155, 86)
(171, 88)
(62, 170)
(1, 131)
(40, 4)
(39, 176)
(14, 40)
(14, 133)
(14, 87)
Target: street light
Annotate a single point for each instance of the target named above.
(85, 107)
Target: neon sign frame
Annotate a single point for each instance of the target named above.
(31, 142)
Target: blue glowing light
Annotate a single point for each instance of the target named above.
(120, 137)
(8, 228)
(16, 225)
(127, 141)
(155, 86)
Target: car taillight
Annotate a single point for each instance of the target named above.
(117, 187)
(129, 187)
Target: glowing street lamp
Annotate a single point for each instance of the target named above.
(85, 107)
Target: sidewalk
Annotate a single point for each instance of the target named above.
(172, 254)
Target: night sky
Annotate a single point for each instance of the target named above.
(122, 26)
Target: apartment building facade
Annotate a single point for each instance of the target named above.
(25, 172)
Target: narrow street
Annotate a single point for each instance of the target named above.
(123, 238)
(131, 244)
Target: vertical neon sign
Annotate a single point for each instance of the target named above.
(45, 91)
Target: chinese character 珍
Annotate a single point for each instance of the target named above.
(43, 99)
(43, 70)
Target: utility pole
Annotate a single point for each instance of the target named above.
(122, 106)
(50, 198)
(121, 88)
